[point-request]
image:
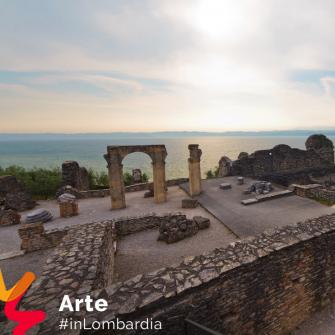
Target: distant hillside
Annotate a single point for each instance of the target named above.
(162, 134)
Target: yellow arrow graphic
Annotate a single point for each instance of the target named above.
(18, 289)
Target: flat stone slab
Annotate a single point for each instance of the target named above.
(225, 186)
(274, 195)
(250, 201)
(189, 203)
(266, 197)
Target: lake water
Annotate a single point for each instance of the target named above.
(51, 150)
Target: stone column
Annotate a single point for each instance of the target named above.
(194, 169)
(158, 165)
(116, 185)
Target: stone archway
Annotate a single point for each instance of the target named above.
(114, 158)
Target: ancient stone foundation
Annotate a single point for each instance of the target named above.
(267, 284)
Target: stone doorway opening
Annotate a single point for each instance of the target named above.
(114, 158)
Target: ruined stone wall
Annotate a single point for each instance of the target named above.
(314, 191)
(282, 159)
(131, 188)
(34, 237)
(265, 285)
(80, 264)
(127, 226)
(323, 194)
(75, 176)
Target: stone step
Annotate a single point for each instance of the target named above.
(266, 197)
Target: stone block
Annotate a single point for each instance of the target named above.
(250, 201)
(225, 186)
(189, 203)
(68, 209)
(9, 217)
(38, 215)
(202, 222)
(240, 180)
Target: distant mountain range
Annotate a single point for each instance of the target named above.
(162, 134)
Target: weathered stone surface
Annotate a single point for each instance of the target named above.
(34, 237)
(189, 203)
(243, 155)
(115, 155)
(260, 187)
(225, 166)
(194, 169)
(13, 194)
(285, 165)
(68, 189)
(9, 217)
(202, 222)
(240, 180)
(137, 175)
(38, 215)
(75, 176)
(225, 186)
(266, 284)
(177, 228)
(86, 247)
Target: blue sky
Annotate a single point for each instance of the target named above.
(211, 65)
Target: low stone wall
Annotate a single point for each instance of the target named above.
(127, 226)
(265, 285)
(34, 237)
(323, 194)
(80, 264)
(314, 191)
(131, 188)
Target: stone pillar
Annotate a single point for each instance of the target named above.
(194, 169)
(158, 165)
(115, 173)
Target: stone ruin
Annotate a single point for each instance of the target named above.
(259, 187)
(9, 217)
(179, 227)
(265, 284)
(14, 195)
(283, 164)
(137, 176)
(75, 175)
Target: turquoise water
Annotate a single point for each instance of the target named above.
(88, 150)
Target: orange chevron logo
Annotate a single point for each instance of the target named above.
(11, 297)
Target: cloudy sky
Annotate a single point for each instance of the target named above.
(213, 65)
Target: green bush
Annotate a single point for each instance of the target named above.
(98, 179)
(41, 183)
(212, 173)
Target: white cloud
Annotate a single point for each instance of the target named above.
(225, 64)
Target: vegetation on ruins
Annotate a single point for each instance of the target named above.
(212, 173)
(43, 183)
(99, 179)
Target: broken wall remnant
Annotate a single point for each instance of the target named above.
(75, 175)
(14, 195)
(283, 164)
(194, 169)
